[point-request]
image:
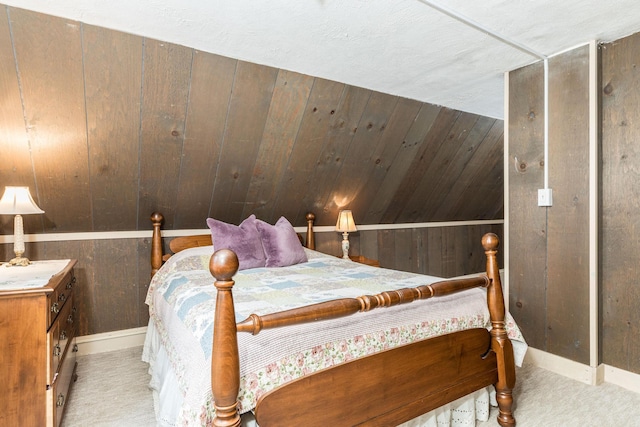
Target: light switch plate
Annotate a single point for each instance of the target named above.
(545, 197)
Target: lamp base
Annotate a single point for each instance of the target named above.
(345, 245)
(20, 261)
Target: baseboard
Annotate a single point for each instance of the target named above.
(559, 365)
(581, 372)
(622, 378)
(110, 341)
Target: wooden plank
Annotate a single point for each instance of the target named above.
(113, 76)
(211, 83)
(386, 248)
(369, 244)
(143, 275)
(620, 214)
(485, 197)
(324, 99)
(420, 236)
(15, 167)
(398, 167)
(114, 291)
(436, 164)
(402, 251)
(167, 69)
(344, 125)
(390, 142)
(456, 204)
(290, 97)
(420, 163)
(417, 248)
(434, 252)
(330, 243)
(49, 61)
(527, 222)
(449, 252)
(247, 115)
(568, 222)
(359, 162)
(445, 178)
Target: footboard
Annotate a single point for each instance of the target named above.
(386, 388)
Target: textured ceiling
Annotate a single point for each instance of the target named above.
(405, 47)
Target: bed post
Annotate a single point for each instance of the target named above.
(225, 360)
(156, 243)
(311, 241)
(500, 342)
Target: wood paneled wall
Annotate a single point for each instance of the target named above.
(112, 279)
(549, 247)
(436, 251)
(106, 128)
(620, 219)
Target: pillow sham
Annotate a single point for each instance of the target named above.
(244, 240)
(280, 243)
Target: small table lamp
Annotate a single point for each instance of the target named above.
(17, 201)
(345, 225)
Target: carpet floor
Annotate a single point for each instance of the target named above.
(112, 391)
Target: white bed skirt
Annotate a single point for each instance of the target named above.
(167, 398)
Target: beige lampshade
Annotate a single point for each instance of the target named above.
(18, 201)
(345, 222)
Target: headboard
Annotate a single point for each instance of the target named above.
(184, 242)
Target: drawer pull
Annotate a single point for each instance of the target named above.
(56, 351)
(55, 308)
(70, 319)
(71, 283)
(62, 298)
(60, 400)
(63, 335)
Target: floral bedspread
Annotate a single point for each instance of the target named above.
(181, 301)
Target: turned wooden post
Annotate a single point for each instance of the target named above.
(225, 361)
(500, 342)
(311, 240)
(156, 243)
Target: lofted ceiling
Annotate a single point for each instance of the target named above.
(409, 48)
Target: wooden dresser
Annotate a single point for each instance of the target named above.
(37, 330)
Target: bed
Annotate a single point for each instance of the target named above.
(286, 354)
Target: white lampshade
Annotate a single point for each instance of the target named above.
(345, 222)
(18, 201)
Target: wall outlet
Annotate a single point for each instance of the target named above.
(545, 197)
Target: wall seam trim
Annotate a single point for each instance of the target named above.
(142, 234)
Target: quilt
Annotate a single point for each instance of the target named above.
(181, 299)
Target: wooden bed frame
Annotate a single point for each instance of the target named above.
(383, 389)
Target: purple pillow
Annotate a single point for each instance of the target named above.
(244, 240)
(280, 243)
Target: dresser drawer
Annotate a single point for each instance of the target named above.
(57, 298)
(60, 336)
(58, 393)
